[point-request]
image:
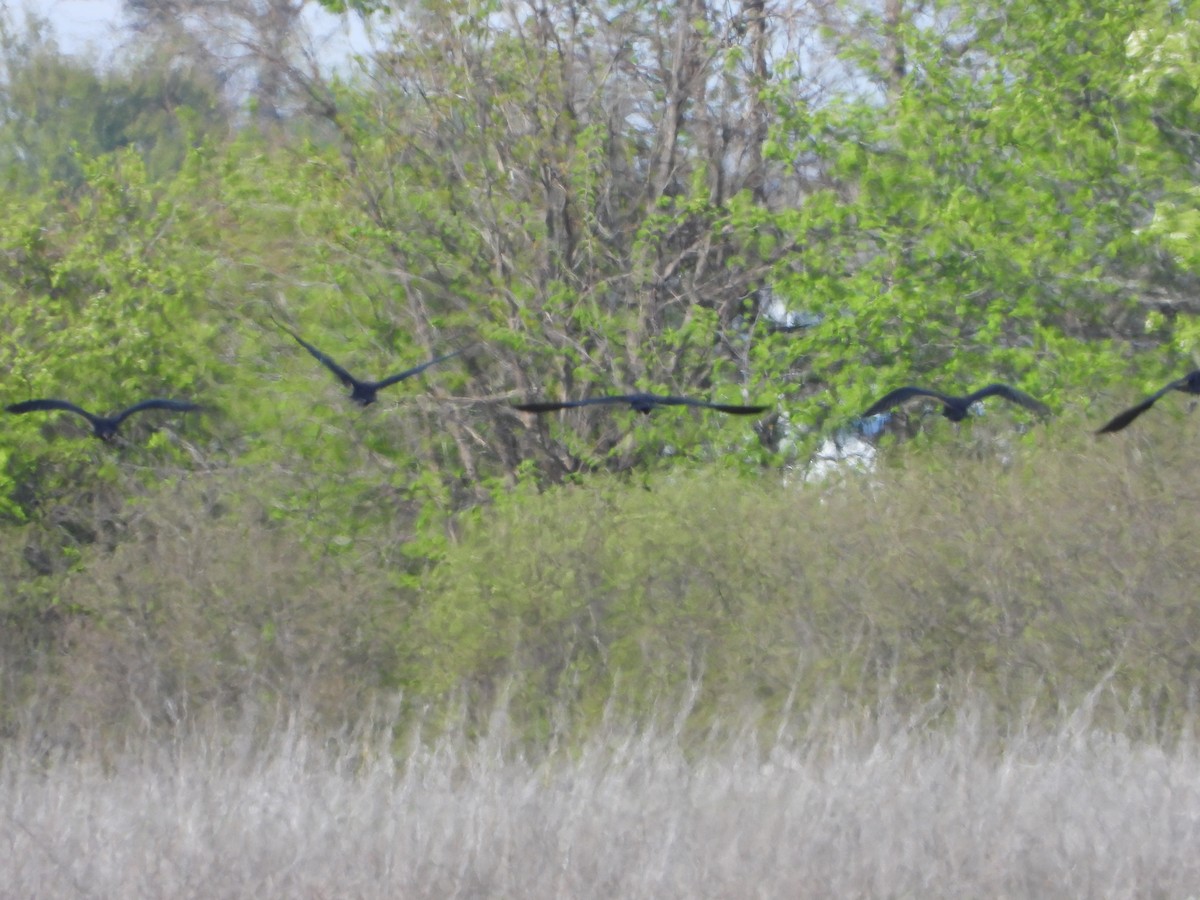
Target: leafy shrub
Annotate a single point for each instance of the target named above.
(1031, 581)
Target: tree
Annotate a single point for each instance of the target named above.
(985, 221)
(565, 180)
(258, 50)
(56, 111)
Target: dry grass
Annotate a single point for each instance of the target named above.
(874, 806)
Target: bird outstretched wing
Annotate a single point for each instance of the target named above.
(733, 409)
(343, 376)
(900, 395)
(1121, 420)
(640, 402)
(1011, 394)
(415, 370)
(40, 405)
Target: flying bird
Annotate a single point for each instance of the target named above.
(103, 427)
(956, 408)
(1189, 384)
(643, 403)
(363, 392)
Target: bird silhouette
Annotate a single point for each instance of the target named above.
(956, 408)
(363, 392)
(103, 427)
(1189, 384)
(643, 403)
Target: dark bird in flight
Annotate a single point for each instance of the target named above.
(363, 392)
(643, 403)
(956, 408)
(1189, 384)
(103, 427)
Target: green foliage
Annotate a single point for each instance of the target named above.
(1031, 583)
(982, 226)
(58, 112)
(95, 291)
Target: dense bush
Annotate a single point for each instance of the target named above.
(1029, 579)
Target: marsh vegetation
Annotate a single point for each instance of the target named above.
(973, 678)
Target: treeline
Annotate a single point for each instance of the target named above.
(796, 204)
(781, 204)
